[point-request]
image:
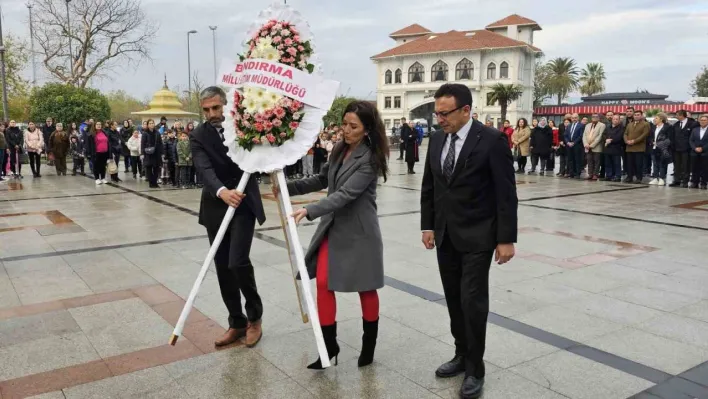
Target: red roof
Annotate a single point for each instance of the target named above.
(454, 41)
(411, 30)
(513, 19)
(601, 109)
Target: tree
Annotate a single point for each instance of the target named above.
(190, 101)
(563, 77)
(66, 103)
(699, 85)
(592, 79)
(16, 57)
(541, 91)
(504, 95)
(652, 112)
(122, 104)
(102, 33)
(336, 111)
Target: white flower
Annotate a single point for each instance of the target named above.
(251, 105)
(285, 33)
(274, 98)
(256, 52)
(270, 54)
(264, 105)
(258, 94)
(264, 43)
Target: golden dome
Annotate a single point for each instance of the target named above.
(166, 103)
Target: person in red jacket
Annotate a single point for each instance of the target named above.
(551, 164)
(508, 130)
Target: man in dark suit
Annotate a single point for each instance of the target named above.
(699, 154)
(409, 139)
(682, 148)
(220, 176)
(574, 139)
(469, 211)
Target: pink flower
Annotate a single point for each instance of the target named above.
(283, 135)
(293, 125)
(264, 33)
(295, 106)
(277, 39)
(268, 125)
(288, 42)
(246, 124)
(255, 140)
(280, 47)
(285, 32)
(297, 116)
(241, 135)
(277, 123)
(296, 37)
(258, 126)
(271, 138)
(300, 48)
(279, 112)
(292, 51)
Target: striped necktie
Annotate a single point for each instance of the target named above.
(449, 164)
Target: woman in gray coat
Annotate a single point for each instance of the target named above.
(346, 252)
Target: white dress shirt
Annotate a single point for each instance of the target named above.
(702, 132)
(656, 132)
(461, 136)
(683, 124)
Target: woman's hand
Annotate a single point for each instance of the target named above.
(299, 214)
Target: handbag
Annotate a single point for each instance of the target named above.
(112, 168)
(515, 153)
(50, 156)
(149, 150)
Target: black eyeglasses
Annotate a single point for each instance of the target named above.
(444, 114)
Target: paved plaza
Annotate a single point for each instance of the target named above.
(607, 298)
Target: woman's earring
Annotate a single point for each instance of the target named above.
(368, 138)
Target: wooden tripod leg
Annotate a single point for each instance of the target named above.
(293, 264)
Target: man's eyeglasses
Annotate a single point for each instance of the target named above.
(444, 114)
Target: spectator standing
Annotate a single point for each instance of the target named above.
(520, 140)
(4, 152)
(593, 141)
(551, 164)
(682, 149)
(660, 144)
(34, 144)
(635, 137)
(116, 142)
(562, 148)
(59, 146)
(47, 131)
(134, 147)
(125, 134)
(540, 145)
(614, 148)
(699, 157)
(574, 142)
(184, 160)
(509, 131)
(98, 148)
(409, 138)
(76, 148)
(151, 149)
(16, 144)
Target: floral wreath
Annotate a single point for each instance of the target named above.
(260, 116)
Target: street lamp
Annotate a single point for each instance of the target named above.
(34, 63)
(68, 30)
(213, 36)
(5, 109)
(189, 66)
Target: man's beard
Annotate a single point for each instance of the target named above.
(216, 122)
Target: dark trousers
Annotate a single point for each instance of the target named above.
(465, 279)
(551, 164)
(563, 160)
(15, 161)
(60, 164)
(699, 165)
(660, 165)
(172, 171)
(35, 161)
(127, 160)
(613, 167)
(235, 271)
(602, 167)
(184, 172)
(593, 163)
(521, 161)
(534, 161)
(402, 150)
(78, 166)
(196, 177)
(410, 165)
(648, 159)
(625, 167)
(575, 160)
(682, 167)
(136, 165)
(152, 172)
(100, 162)
(635, 165)
(3, 158)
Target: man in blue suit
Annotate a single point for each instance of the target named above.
(699, 153)
(573, 138)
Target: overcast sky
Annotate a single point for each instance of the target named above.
(649, 44)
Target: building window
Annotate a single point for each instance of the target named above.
(387, 122)
(464, 70)
(387, 102)
(415, 73)
(399, 76)
(388, 78)
(397, 102)
(490, 100)
(504, 70)
(492, 71)
(439, 72)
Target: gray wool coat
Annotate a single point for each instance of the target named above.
(349, 220)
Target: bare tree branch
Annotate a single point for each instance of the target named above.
(103, 34)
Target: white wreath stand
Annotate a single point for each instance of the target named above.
(295, 248)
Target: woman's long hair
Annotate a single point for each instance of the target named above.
(376, 138)
(526, 123)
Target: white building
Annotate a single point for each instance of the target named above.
(421, 61)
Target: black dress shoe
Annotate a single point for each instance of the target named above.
(684, 185)
(675, 184)
(471, 387)
(453, 368)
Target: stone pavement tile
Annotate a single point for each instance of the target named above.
(698, 311)
(558, 246)
(38, 288)
(510, 304)
(106, 279)
(623, 273)
(506, 348)
(678, 285)
(117, 339)
(8, 296)
(693, 273)
(679, 328)
(568, 323)
(52, 381)
(213, 307)
(45, 354)
(652, 350)
(171, 311)
(50, 395)
(507, 385)
(123, 386)
(113, 314)
(651, 298)
(654, 263)
(584, 279)
(580, 378)
(427, 317)
(23, 329)
(529, 268)
(151, 357)
(612, 309)
(155, 295)
(348, 381)
(390, 333)
(169, 392)
(545, 291)
(52, 265)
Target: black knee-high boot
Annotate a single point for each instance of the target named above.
(330, 338)
(368, 342)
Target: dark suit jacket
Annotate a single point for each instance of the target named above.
(680, 138)
(218, 170)
(697, 142)
(574, 135)
(478, 208)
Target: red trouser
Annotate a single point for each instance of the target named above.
(326, 301)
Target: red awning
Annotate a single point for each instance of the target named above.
(601, 109)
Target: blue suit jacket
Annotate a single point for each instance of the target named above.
(696, 141)
(574, 135)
